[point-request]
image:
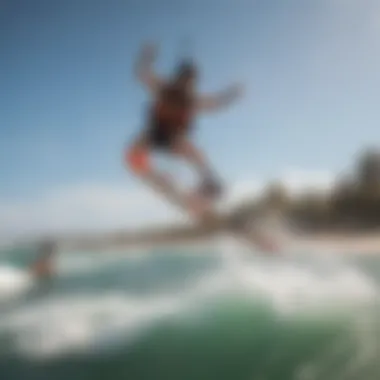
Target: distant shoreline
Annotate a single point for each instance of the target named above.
(341, 243)
(363, 242)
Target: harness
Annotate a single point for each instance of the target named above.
(174, 108)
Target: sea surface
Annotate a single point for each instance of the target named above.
(212, 311)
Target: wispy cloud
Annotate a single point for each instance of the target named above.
(82, 207)
(298, 180)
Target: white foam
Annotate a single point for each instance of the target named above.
(292, 286)
(13, 282)
(57, 325)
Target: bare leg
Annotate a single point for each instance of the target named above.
(186, 150)
(138, 161)
(210, 186)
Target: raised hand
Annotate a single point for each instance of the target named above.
(149, 51)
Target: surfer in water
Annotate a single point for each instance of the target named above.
(42, 268)
(170, 120)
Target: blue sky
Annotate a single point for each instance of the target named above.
(69, 100)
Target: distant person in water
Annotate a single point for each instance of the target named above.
(169, 123)
(43, 266)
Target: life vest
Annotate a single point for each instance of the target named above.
(174, 107)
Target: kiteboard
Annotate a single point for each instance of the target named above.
(203, 211)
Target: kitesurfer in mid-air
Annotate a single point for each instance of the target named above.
(170, 119)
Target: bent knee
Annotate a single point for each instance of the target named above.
(137, 160)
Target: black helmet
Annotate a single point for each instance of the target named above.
(186, 69)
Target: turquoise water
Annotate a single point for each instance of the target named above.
(211, 312)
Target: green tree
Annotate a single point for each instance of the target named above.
(368, 170)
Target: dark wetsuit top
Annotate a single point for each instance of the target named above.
(170, 116)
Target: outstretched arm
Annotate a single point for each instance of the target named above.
(144, 68)
(221, 100)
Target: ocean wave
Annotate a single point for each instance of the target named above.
(57, 324)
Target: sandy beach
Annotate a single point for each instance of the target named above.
(363, 243)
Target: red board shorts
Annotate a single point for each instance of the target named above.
(158, 136)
